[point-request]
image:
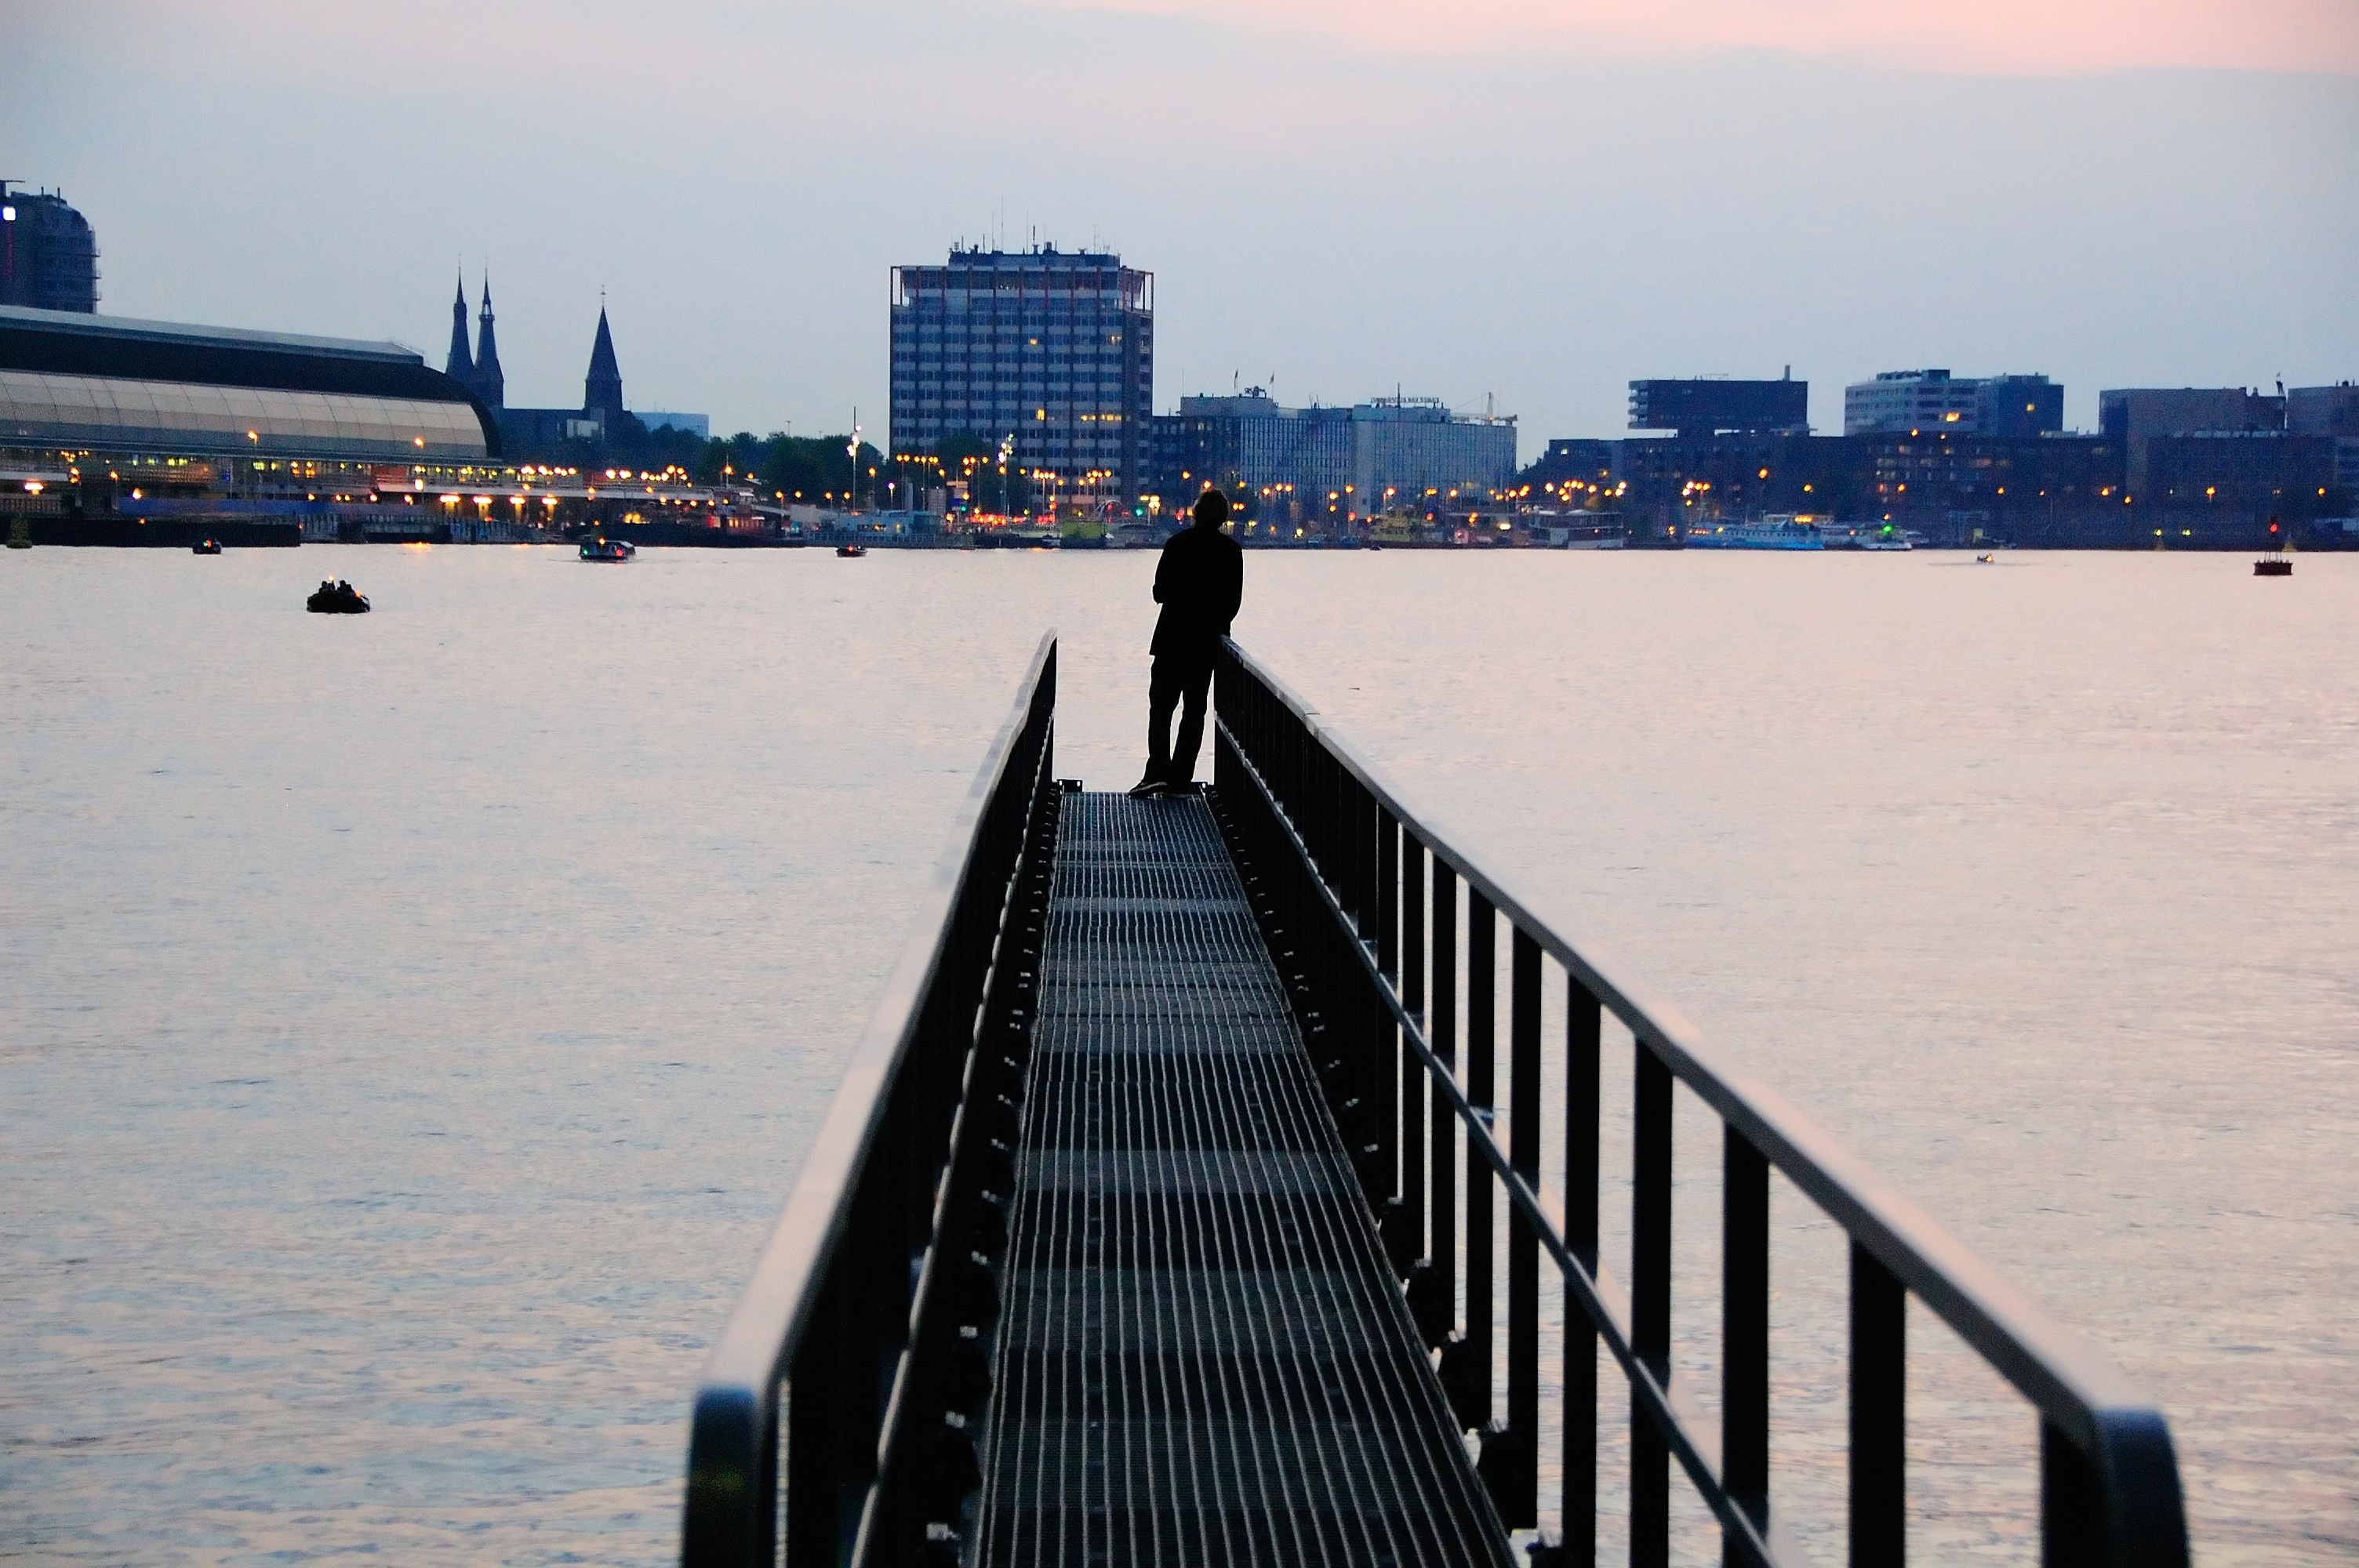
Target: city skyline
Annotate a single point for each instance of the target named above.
(1539, 226)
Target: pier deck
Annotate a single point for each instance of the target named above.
(1204, 1358)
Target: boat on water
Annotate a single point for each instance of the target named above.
(207, 545)
(608, 549)
(1773, 533)
(337, 598)
(850, 552)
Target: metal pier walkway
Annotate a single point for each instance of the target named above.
(1204, 1357)
(1185, 1131)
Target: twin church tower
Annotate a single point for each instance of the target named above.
(479, 372)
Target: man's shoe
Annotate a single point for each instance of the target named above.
(1148, 787)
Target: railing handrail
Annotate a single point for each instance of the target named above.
(767, 1326)
(2075, 1385)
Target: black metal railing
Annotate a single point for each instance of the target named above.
(1361, 901)
(828, 1414)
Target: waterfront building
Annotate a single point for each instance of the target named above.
(2137, 415)
(49, 257)
(1906, 400)
(697, 424)
(2333, 412)
(1051, 352)
(1331, 464)
(1711, 406)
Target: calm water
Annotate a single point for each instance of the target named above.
(411, 1021)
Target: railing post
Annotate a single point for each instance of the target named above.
(1745, 1333)
(1441, 1033)
(1482, 1031)
(1879, 1426)
(815, 1393)
(1522, 1508)
(1412, 1070)
(1650, 1304)
(1583, 1018)
(2072, 1504)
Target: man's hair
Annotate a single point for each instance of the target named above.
(1211, 509)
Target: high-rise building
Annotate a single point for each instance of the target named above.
(49, 257)
(1713, 405)
(1899, 401)
(1051, 348)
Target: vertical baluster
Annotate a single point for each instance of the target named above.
(1382, 865)
(1482, 1041)
(1650, 1304)
(1581, 1017)
(1523, 1242)
(1879, 1426)
(1745, 1332)
(1441, 1029)
(1412, 1070)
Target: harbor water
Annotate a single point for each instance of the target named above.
(411, 1021)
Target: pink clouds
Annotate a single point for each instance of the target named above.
(2000, 36)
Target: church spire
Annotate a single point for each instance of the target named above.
(461, 365)
(601, 389)
(488, 383)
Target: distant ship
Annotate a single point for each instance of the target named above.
(1773, 533)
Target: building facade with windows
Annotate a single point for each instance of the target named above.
(1052, 351)
(49, 257)
(1708, 405)
(1901, 401)
(1331, 464)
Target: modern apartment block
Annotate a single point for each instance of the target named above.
(1051, 350)
(1899, 401)
(1333, 464)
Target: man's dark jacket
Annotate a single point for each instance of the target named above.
(1199, 582)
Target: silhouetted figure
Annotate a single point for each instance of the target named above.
(1199, 582)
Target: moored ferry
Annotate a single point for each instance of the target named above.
(1779, 532)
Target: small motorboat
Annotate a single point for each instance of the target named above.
(608, 549)
(850, 551)
(1986, 559)
(337, 598)
(208, 546)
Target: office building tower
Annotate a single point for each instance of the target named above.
(1053, 351)
(49, 257)
(1898, 401)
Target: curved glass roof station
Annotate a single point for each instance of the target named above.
(106, 384)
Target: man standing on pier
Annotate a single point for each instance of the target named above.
(1199, 582)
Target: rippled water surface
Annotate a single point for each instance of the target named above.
(410, 1022)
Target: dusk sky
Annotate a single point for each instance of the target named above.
(1526, 200)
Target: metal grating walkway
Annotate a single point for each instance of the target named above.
(1204, 1358)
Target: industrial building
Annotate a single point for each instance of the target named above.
(49, 257)
(1331, 464)
(1049, 351)
(1711, 406)
(1899, 401)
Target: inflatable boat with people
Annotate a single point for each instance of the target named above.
(337, 598)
